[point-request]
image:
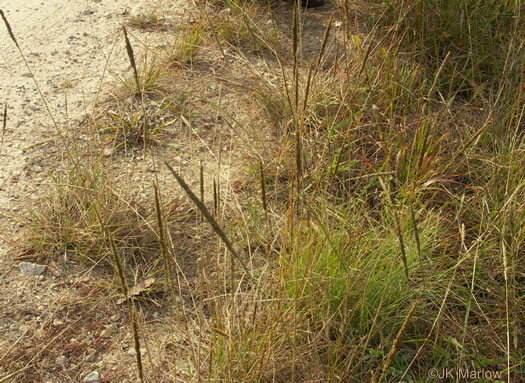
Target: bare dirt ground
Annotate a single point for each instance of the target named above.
(47, 331)
(60, 326)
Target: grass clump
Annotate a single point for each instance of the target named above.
(386, 238)
(471, 39)
(147, 18)
(143, 20)
(187, 44)
(390, 240)
(68, 223)
(144, 80)
(134, 124)
(346, 272)
(241, 25)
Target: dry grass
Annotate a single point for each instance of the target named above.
(379, 236)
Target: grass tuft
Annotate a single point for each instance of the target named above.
(382, 224)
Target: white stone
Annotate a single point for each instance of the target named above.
(93, 376)
(31, 268)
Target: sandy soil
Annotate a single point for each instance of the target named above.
(70, 48)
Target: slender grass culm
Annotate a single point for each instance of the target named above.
(4, 126)
(201, 181)
(44, 100)
(263, 190)
(129, 299)
(140, 89)
(416, 232)
(296, 122)
(163, 241)
(401, 244)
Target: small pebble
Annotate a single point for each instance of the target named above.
(13, 196)
(33, 107)
(31, 268)
(93, 376)
(106, 333)
(108, 152)
(87, 12)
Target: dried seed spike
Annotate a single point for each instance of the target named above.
(129, 50)
(211, 221)
(202, 185)
(9, 30)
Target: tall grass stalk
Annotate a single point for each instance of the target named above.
(396, 344)
(168, 272)
(44, 100)
(129, 299)
(4, 126)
